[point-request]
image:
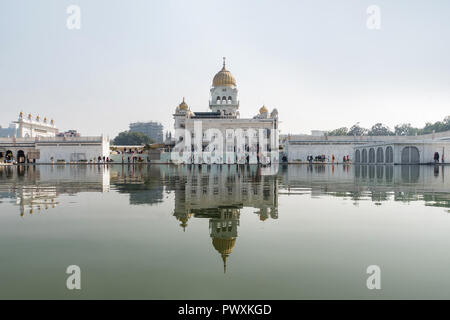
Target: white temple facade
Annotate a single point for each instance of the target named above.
(29, 127)
(36, 141)
(220, 135)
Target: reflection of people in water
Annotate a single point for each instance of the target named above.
(436, 171)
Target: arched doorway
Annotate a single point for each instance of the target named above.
(410, 155)
(9, 155)
(357, 156)
(372, 155)
(380, 155)
(389, 155)
(364, 156)
(21, 156)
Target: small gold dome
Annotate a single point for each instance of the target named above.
(21, 114)
(52, 121)
(38, 118)
(30, 116)
(45, 119)
(183, 105)
(263, 110)
(224, 78)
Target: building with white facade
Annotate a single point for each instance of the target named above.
(36, 141)
(421, 149)
(220, 135)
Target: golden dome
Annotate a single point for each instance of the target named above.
(45, 119)
(224, 78)
(183, 105)
(21, 114)
(263, 110)
(30, 116)
(38, 118)
(184, 220)
(225, 248)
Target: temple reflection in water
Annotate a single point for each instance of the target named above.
(36, 188)
(377, 183)
(220, 193)
(217, 193)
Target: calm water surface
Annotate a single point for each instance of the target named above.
(167, 232)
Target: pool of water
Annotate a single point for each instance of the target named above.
(224, 232)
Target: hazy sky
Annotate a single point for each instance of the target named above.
(316, 61)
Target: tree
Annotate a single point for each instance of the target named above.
(356, 130)
(380, 129)
(127, 138)
(405, 129)
(338, 132)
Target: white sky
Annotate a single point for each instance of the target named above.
(315, 61)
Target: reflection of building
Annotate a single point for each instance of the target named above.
(218, 193)
(223, 231)
(370, 182)
(142, 183)
(34, 198)
(36, 188)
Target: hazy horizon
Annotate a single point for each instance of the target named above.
(315, 61)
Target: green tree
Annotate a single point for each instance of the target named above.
(356, 130)
(405, 129)
(380, 129)
(338, 132)
(127, 138)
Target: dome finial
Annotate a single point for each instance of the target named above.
(224, 258)
(224, 58)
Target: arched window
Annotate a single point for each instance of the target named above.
(21, 156)
(357, 156)
(224, 100)
(218, 100)
(380, 155)
(371, 155)
(389, 155)
(230, 100)
(364, 156)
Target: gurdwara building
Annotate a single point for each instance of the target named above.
(220, 135)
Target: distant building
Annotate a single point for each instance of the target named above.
(8, 132)
(318, 133)
(152, 129)
(68, 134)
(29, 127)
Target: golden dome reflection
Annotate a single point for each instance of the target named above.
(225, 248)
